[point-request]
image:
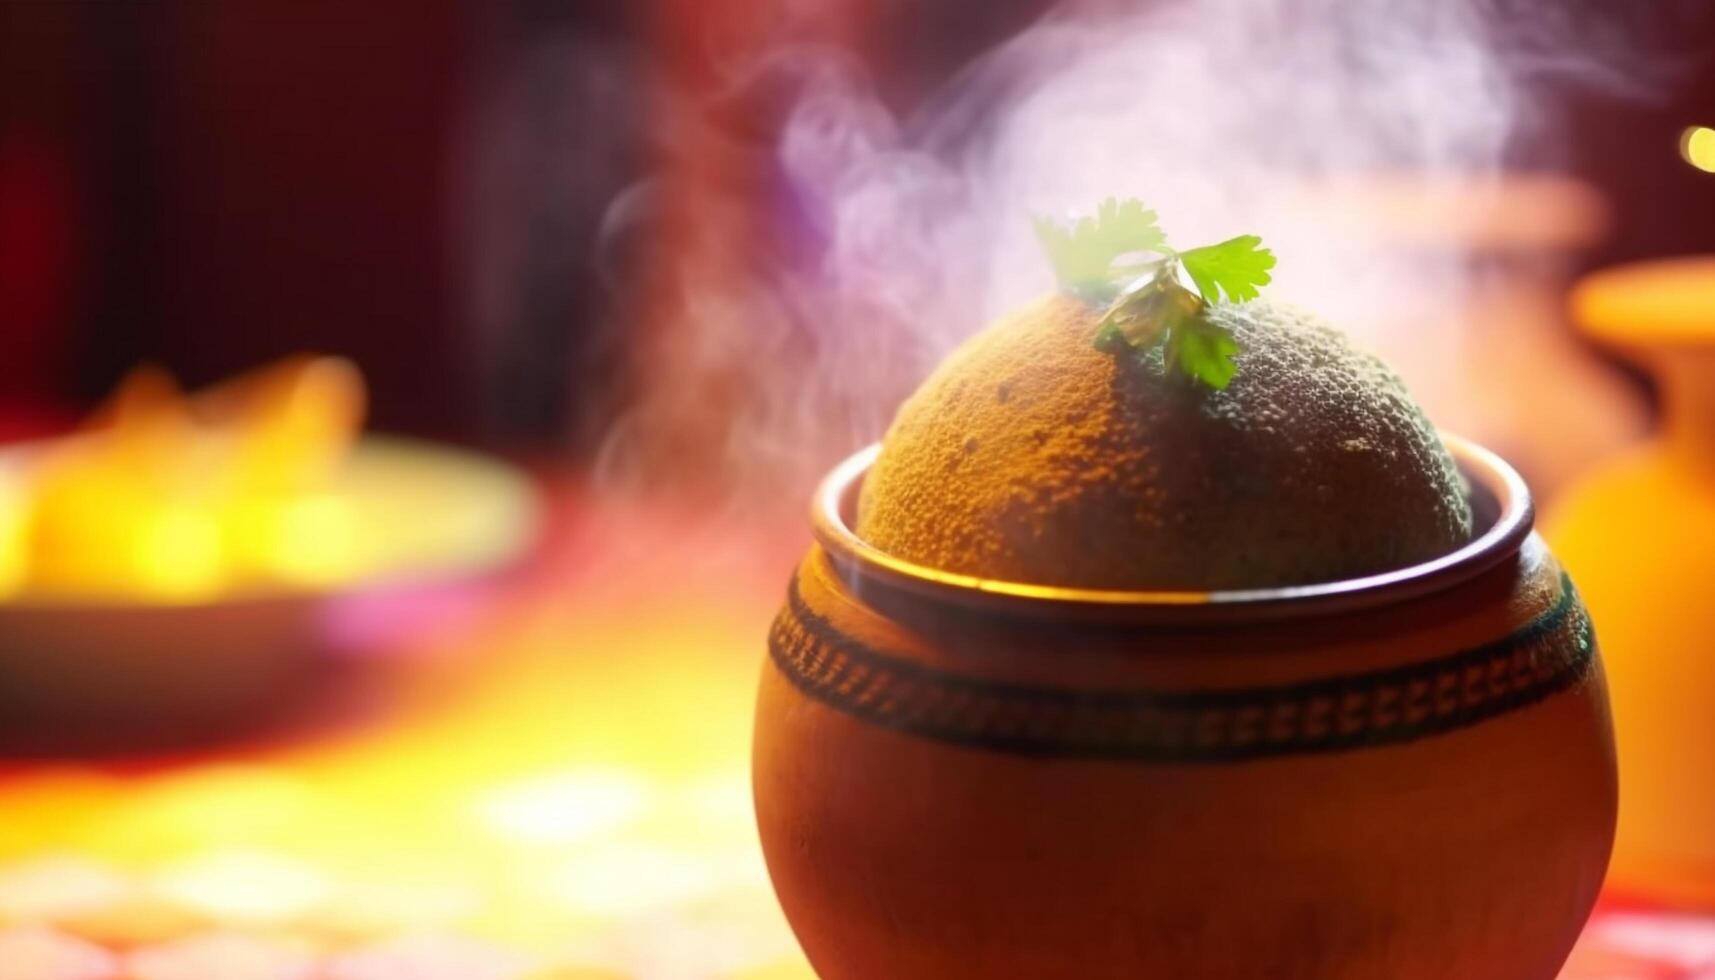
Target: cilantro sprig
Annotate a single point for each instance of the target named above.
(1120, 258)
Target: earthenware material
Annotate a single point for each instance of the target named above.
(1406, 776)
(1639, 532)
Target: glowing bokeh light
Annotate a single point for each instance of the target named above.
(564, 807)
(52, 888)
(1697, 146)
(630, 879)
(253, 888)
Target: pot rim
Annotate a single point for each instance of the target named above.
(859, 563)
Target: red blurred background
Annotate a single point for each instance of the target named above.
(209, 186)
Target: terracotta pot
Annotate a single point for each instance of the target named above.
(1640, 532)
(1403, 776)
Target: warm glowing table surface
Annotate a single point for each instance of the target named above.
(548, 781)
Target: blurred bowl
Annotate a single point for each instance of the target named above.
(94, 669)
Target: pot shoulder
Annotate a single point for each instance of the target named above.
(1517, 635)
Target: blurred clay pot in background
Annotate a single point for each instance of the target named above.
(1492, 357)
(1404, 776)
(1640, 533)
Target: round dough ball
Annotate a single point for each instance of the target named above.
(1030, 456)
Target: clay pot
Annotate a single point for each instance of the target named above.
(1404, 776)
(1640, 532)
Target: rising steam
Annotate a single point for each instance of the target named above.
(901, 236)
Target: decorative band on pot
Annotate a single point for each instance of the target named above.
(1543, 656)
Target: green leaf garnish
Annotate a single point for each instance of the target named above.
(1147, 305)
(1204, 352)
(1083, 253)
(1235, 267)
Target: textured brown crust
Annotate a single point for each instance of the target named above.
(1031, 456)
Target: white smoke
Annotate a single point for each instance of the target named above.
(1226, 116)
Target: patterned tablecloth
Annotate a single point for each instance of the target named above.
(548, 784)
